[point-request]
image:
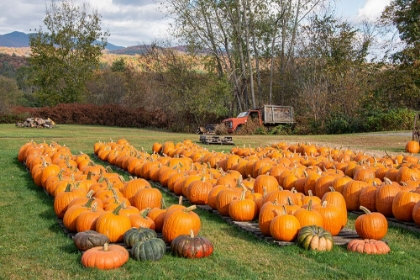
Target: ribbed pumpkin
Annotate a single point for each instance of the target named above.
(147, 197)
(403, 204)
(337, 199)
(385, 195)
(368, 198)
(315, 238)
(371, 225)
(113, 225)
(192, 247)
(133, 186)
(134, 235)
(108, 256)
(331, 217)
(267, 181)
(224, 198)
(152, 249)
(63, 199)
(180, 222)
(351, 193)
(211, 201)
(142, 220)
(87, 219)
(309, 216)
(322, 185)
(72, 213)
(368, 246)
(266, 215)
(310, 182)
(284, 226)
(198, 191)
(242, 209)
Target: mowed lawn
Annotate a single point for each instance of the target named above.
(34, 246)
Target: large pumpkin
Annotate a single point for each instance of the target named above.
(284, 226)
(105, 257)
(152, 249)
(192, 247)
(371, 225)
(179, 222)
(403, 204)
(113, 225)
(269, 182)
(315, 238)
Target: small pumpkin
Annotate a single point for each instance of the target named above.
(412, 147)
(134, 235)
(85, 240)
(152, 249)
(192, 247)
(368, 246)
(315, 238)
(105, 257)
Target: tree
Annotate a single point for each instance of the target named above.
(332, 70)
(65, 56)
(239, 35)
(404, 15)
(10, 95)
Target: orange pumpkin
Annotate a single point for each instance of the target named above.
(105, 257)
(412, 147)
(371, 225)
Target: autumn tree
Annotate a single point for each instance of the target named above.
(243, 38)
(405, 16)
(10, 95)
(65, 55)
(331, 69)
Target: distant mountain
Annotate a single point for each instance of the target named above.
(14, 40)
(133, 50)
(18, 39)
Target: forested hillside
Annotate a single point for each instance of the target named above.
(339, 77)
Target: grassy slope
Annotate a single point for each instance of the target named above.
(34, 246)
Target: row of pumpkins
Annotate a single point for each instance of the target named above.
(187, 169)
(90, 199)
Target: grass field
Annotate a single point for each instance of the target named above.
(33, 245)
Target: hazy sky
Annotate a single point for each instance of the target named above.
(133, 22)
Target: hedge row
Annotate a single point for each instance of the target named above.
(109, 115)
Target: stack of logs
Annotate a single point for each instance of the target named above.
(37, 123)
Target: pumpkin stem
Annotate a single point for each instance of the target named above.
(189, 209)
(364, 209)
(191, 233)
(117, 210)
(106, 247)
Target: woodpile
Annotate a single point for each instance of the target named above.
(37, 123)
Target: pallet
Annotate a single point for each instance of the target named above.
(214, 139)
(342, 239)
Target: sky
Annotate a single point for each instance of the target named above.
(135, 22)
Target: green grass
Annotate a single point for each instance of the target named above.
(33, 245)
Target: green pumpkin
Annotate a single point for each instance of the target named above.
(315, 238)
(152, 249)
(135, 235)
